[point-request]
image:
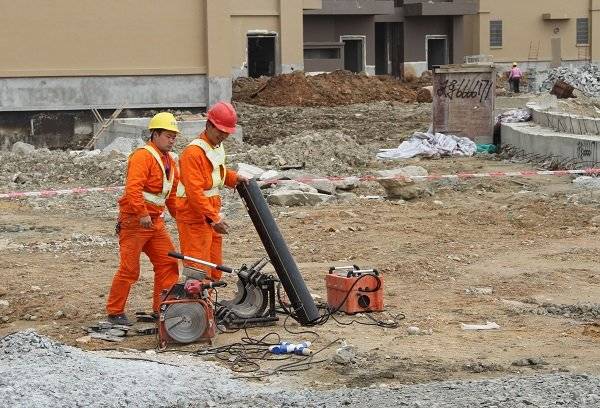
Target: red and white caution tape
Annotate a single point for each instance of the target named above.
(461, 176)
(431, 177)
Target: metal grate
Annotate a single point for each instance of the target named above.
(583, 31)
(496, 33)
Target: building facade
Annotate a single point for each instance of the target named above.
(78, 54)
(539, 33)
(393, 37)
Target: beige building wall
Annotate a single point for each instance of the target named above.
(528, 36)
(142, 37)
(76, 54)
(108, 37)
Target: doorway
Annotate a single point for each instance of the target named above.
(354, 52)
(437, 50)
(261, 55)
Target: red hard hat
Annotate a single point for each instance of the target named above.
(223, 116)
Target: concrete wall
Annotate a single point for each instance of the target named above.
(524, 28)
(543, 141)
(463, 101)
(77, 54)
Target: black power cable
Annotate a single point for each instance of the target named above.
(329, 312)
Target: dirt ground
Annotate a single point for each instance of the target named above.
(532, 241)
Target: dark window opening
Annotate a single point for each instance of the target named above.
(436, 52)
(353, 55)
(261, 55)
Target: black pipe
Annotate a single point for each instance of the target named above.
(302, 302)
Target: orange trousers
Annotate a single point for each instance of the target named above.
(199, 240)
(155, 243)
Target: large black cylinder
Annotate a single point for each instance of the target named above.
(281, 258)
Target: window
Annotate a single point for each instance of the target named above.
(583, 31)
(321, 53)
(496, 33)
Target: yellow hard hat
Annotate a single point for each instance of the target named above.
(514, 64)
(163, 120)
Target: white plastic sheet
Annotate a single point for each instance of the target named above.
(429, 144)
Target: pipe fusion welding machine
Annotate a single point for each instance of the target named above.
(188, 314)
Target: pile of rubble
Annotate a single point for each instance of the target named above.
(327, 152)
(585, 78)
(43, 168)
(329, 89)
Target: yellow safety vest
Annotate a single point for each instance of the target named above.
(216, 156)
(161, 198)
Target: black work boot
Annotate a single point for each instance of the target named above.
(119, 319)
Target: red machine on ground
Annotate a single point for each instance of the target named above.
(354, 290)
(186, 313)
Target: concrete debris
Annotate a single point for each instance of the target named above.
(4, 303)
(295, 185)
(323, 186)
(291, 198)
(123, 145)
(270, 175)
(345, 355)
(405, 188)
(413, 330)
(345, 197)
(22, 148)
(249, 171)
(44, 169)
(479, 291)
(587, 182)
(347, 183)
(486, 326)
(585, 78)
(327, 152)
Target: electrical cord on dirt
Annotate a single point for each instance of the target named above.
(243, 356)
(299, 363)
(329, 312)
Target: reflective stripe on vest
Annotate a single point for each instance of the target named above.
(216, 156)
(161, 198)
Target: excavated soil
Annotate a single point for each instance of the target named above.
(329, 89)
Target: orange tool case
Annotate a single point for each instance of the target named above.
(354, 290)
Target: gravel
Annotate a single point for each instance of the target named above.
(585, 78)
(38, 372)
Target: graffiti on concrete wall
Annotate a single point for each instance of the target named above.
(465, 89)
(586, 150)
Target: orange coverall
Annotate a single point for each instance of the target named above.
(195, 211)
(144, 174)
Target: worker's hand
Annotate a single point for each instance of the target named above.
(221, 227)
(146, 222)
(241, 179)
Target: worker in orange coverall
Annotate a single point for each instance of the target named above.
(152, 179)
(203, 174)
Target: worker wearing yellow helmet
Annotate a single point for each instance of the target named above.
(151, 185)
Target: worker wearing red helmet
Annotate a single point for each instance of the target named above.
(202, 175)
